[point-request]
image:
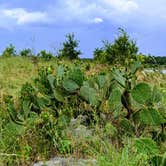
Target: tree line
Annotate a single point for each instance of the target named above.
(120, 51)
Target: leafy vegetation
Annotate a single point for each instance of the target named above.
(119, 52)
(26, 52)
(69, 49)
(155, 60)
(84, 109)
(44, 55)
(9, 51)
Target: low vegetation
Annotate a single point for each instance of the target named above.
(109, 109)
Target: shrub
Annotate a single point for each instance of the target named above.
(9, 51)
(26, 52)
(120, 51)
(69, 49)
(45, 55)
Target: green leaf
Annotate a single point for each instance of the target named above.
(11, 110)
(51, 80)
(135, 66)
(146, 146)
(151, 117)
(43, 102)
(76, 75)
(126, 127)
(115, 100)
(118, 76)
(141, 93)
(156, 95)
(58, 95)
(70, 85)
(60, 71)
(164, 160)
(101, 79)
(13, 114)
(89, 94)
(26, 108)
(13, 130)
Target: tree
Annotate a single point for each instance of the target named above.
(9, 51)
(120, 51)
(100, 55)
(69, 49)
(26, 52)
(45, 55)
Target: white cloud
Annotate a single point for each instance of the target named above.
(73, 10)
(21, 16)
(122, 6)
(62, 11)
(86, 12)
(78, 11)
(89, 11)
(97, 20)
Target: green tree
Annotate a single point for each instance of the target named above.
(26, 52)
(9, 51)
(120, 51)
(69, 49)
(45, 55)
(100, 55)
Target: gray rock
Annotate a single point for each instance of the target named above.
(67, 162)
(164, 71)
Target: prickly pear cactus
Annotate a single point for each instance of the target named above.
(141, 93)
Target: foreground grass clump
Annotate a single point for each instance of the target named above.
(14, 72)
(114, 115)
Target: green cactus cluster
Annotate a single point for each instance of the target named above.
(56, 90)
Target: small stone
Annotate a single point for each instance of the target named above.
(67, 162)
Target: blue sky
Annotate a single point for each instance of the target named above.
(41, 24)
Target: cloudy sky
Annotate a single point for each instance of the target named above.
(43, 24)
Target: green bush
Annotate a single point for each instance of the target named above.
(44, 55)
(119, 52)
(9, 51)
(26, 52)
(69, 49)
